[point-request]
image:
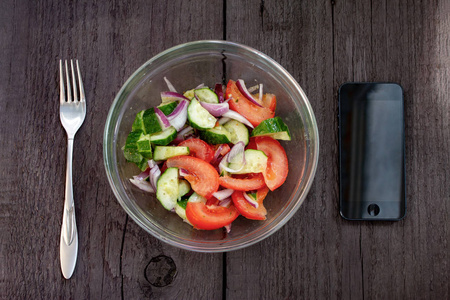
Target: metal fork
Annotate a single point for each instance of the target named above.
(72, 112)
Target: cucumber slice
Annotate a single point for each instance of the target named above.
(151, 122)
(167, 188)
(196, 198)
(255, 162)
(130, 150)
(180, 209)
(168, 108)
(239, 131)
(199, 117)
(165, 152)
(144, 146)
(273, 127)
(183, 188)
(143, 164)
(138, 124)
(146, 121)
(189, 94)
(163, 138)
(216, 135)
(205, 94)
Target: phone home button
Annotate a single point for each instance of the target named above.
(373, 210)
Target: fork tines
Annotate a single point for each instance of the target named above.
(74, 82)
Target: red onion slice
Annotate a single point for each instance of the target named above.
(228, 228)
(238, 117)
(155, 172)
(223, 194)
(241, 86)
(200, 86)
(142, 184)
(151, 164)
(218, 89)
(183, 172)
(143, 176)
(217, 154)
(253, 88)
(236, 150)
(184, 134)
(172, 96)
(179, 116)
(225, 202)
(215, 109)
(223, 120)
(170, 85)
(250, 200)
(163, 121)
(260, 92)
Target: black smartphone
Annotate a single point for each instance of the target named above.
(371, 151)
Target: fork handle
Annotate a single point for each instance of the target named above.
(69, 223)
(69, 234)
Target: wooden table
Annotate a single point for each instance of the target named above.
(317, 255)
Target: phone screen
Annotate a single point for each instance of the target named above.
(371, 148)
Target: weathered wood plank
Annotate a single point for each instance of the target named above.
(317, 254)
(111, 40)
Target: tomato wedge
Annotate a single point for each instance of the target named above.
(268, 100)
(203, 178)
(277, 162)
(205, 217)
(248, 210)
(252, 112)
(199, 149)
(248, 183)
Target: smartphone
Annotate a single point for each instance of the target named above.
(371, 151)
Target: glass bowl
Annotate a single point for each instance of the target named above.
(187, 66)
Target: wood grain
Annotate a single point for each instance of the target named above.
(111, 40)
(316, 255)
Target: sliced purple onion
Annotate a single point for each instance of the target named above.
(170, 85)
(241, 86)
(228, 228)
(183, 172)
(155, 172)
(143, 175)
(184, 134)
(223, 194)
(151, 163)
(223, 165)
(253, 88)
(142, 184)
(215, 109)
(238, 117)
(225, 202)
(217, 153)
(179, 116)
(250, 200)
(218, 89)
(167, 97)
(260, 92)
(200, 86)
(235, 150)
(163, 121)
(223, 120)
